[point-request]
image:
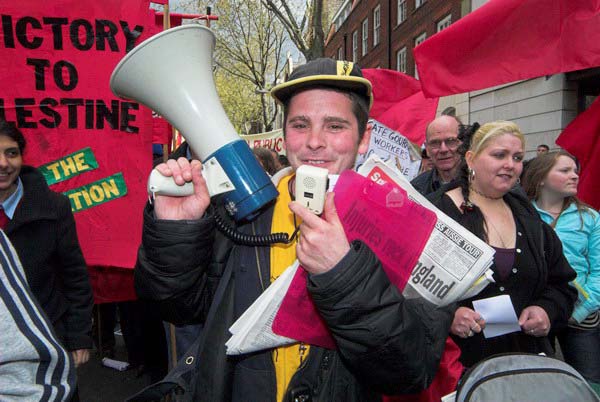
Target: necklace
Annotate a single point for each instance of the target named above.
(495, 229)
(484, 195)
(497, 232)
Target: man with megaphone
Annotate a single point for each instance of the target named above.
(196, 275)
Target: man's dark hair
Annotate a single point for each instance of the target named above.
(266, 159)
(10, 130)
(544, 146)
(360, 106)
(284, 161)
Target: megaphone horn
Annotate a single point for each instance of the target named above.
(171, 73)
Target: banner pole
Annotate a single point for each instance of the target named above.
(208, 12)
(166, 25)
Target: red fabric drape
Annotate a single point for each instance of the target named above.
(509, 40)
(399, 103)
(582, 139)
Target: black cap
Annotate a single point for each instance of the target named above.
(333, 73)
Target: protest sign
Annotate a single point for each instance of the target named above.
(394, 149)
(272, 140)
(56, 64)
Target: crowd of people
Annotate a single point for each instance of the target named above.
(546, 242)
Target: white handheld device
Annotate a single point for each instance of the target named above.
(311, 187)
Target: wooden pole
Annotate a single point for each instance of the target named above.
(166, 25)
(208, 11)
(99, 327)
(172, 337)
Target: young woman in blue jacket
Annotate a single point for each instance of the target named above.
(551, 183)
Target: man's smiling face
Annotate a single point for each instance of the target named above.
(322, 130)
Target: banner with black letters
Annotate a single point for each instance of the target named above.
(56, 61)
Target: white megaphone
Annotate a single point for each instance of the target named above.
(171, 73)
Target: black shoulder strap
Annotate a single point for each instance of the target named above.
(191, 378)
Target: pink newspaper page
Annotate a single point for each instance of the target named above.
(380, 214)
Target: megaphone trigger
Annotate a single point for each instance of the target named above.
(217, 182)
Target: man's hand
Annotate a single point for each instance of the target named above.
(534, 321)
(80, 356)
(191, 207)
(322, 242)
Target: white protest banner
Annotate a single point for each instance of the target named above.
(394, 149)
(272, 140)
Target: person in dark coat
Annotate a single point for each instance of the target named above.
(386, 344)
(40, 225)
(529, 264)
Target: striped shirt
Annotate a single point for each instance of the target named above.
(33, 365)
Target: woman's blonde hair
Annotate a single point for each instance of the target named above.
(489, 131)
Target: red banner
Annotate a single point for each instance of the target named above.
(582, 138)
(399, 103)
(510, 40)
(56, 62)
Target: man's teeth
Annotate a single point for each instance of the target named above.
(316, 162)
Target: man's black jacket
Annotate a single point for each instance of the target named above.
(385, 344)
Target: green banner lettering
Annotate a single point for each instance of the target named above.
(69, 166)
(98, 192)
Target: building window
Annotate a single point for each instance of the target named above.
(401, 60)
(376, 24)
(354, 46)
(418, 40)
(419, 3)
(444, 23)
(365, 36)
(342, 15)
(401, 11)
(340, 54)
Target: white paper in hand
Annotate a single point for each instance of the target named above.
(499, 315)
(252, 331)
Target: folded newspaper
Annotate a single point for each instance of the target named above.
(252, 331)
(453, 265)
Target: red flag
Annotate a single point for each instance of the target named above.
(162, 132)
(582, 139)
(400, 104)
(111, 284)
(509, 40)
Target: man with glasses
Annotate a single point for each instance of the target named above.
(441, 144)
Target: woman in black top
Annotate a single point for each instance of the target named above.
(529, 265)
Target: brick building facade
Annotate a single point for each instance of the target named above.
(382, 33)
